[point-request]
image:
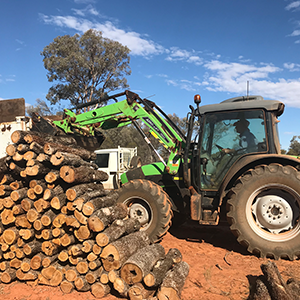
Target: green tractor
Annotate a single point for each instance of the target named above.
(229, 160)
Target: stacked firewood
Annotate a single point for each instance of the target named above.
(271, 285)
(60, 227)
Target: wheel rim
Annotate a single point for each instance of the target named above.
(273, 212)
(140, 209)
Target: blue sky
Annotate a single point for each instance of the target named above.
(178, 48)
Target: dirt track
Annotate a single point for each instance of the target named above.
(219, 268)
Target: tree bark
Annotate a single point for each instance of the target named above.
(115, 254)
(173, 282)
(83, 174)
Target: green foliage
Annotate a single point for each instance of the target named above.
(86, 67)
(294, 148)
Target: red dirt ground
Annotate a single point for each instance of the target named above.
(219, 268)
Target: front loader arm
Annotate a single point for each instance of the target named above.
(126, 112)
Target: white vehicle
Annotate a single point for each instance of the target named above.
(115, 162)
(12, 117)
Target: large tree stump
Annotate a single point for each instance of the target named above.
(173, 283)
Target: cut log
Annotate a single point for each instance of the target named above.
(25, 265)
(115, 254)
(37, 148)
(82, 267)
(156, 276)
(105, 216)
(18, 136)
(15, 263)
(18, 194)
(26, 276)
(40, 187)
(29, 155)
(47, 261)
(91, 277)
(92, 256)
(48, 217)
(36, 261)
(26, 234)
(52, 176)
(67, 239)
(82, 285)
(113, 275)
(71, 221)
(59, 220)
(16, 185)
(121, 286)
(49, 248)
(51, 148)
(277, 286)
(83, 174)
(173, 282)
(7, 217)
(63, 256)
(87, 246)
(71, 274)
(100, 290)
(65, 158)
(22, 148)
(93, 265)
(76, 191)
(41, 205)
(18, 157)
(139, 292)
(6, 178)
(117, 229)
(82, 233)
(43, 158)
(42, 138)
(11, 149)
(8, 203)
(50, 193)
(18, 209)
(76, 205)
(32, 248)
(97, 249)
(141, 263)
(37, 169)
(27, 204)
(32, 215)
(8, 275)
(66, 287)
(31, 194)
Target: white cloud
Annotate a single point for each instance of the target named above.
(292, 67)
(176, 54)
(133, 40)
(89, 10)
(295, 32)
(293, 5)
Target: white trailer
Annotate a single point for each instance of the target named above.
(115, 162)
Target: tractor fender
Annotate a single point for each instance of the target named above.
(251, 161)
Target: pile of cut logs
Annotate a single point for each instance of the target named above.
(59, 227)
(271, 286)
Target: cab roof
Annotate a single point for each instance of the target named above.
(244, 102)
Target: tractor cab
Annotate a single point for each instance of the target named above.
(233, 129)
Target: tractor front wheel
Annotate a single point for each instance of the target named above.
(263, 211)
(147, 202)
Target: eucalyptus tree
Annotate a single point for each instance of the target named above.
(85, 68)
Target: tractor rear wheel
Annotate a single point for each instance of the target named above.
(148, 203)
(263, 211)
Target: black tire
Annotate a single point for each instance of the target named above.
(135, 162)
(263, 211)
(149, 204)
